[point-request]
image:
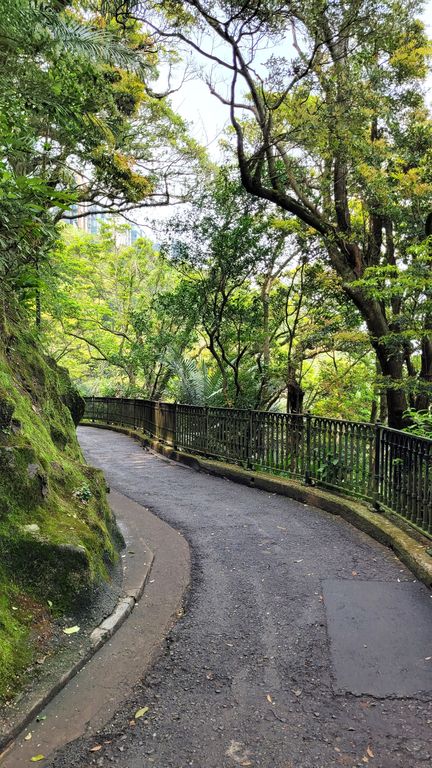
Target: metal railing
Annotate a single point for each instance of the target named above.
(389, 468)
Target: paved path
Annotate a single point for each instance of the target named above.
(258, 670)
(104, 684)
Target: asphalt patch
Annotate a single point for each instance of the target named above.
(380, 637)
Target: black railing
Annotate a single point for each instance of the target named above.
(389, 468)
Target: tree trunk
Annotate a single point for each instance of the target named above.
(295, 393)
(265, 301)
(391, 360)
(38, 308)
(423, 399)
(392, 369)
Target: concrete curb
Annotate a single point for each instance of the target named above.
(411, 551)
(98, 637)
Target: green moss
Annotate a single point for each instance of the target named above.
(15, 650)
(57, 535)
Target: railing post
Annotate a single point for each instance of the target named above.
(107, 411)
(206, 433)
(93, 409)
(249, 441)
(377, 467)
(307, 474)
(175, 427)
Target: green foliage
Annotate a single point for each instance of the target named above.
(77, 126)
(334, 129)
(421, 423)
(195, 383)
(230, 313)
(57, 533)
(114, 314)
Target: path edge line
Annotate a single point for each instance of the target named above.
(411, 551)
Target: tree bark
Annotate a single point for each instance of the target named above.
(295, 393)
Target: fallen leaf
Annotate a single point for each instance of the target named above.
(269, 698)
(96, 748)
(141, 712)
(369, 752)
(354, 573)
(298, 561)
(39, 718)
(36, 758)
(132, 723)
(428, 658)
(50, 605)
(297, 692)
(71, 630)
(245, 762)
(28, 737)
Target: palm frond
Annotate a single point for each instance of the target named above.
(32, 20)
(196, 384)
(95, 44)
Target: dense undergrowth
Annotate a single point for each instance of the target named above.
(57, 535)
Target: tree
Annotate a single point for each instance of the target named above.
(78, 126)
(335, 133)
(232, 256)
(117, 323)
(264, 304)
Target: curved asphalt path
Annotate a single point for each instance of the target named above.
(247, 677)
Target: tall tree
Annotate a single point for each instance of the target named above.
(78, 125)
(331, 127)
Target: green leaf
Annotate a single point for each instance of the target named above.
(71, 630)
(141, 712)
(37, 758)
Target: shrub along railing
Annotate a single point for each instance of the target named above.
(389, 468)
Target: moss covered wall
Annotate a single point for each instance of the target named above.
(57, 535)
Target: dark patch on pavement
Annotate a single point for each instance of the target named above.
(380, 637)
(247, 677)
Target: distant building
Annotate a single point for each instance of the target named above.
(92, 222)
